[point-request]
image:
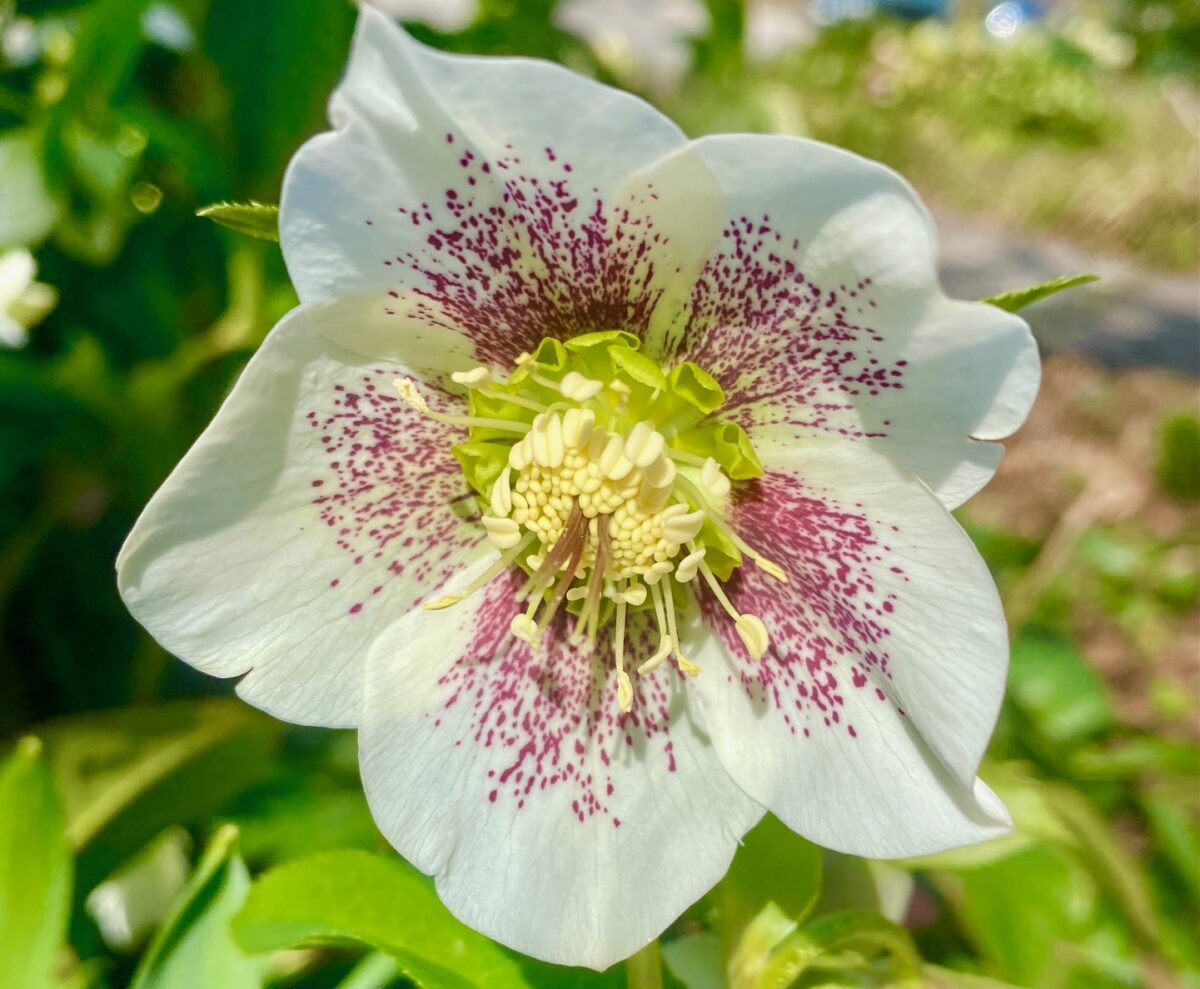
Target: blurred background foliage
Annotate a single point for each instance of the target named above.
(155, 833)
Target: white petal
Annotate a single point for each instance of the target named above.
(501, 196)
(821, 315)
(17, 269)
(315, 509)
(553, 824)
(863, 726)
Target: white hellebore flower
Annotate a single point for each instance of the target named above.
(602, 482)
(23, 301)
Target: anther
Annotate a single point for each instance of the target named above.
(577, 388)
(503, 533)
(477, 377)
(714, 479)
(686, 568)
(753, 634)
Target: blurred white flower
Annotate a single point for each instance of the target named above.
(23, 301)
(645, 42)
(441, 15)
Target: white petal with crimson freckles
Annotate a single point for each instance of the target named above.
(313, 511)
(551, 822)
(508, 198)
(821, 315)
(863, 725)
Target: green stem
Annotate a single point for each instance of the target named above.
(644, 969)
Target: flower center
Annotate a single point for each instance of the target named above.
(606, 480)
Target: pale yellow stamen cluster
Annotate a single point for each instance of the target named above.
(598, 515)
(624, 483)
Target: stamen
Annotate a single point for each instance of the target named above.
(477, 377)
(767, 566)
(750, 628)
(665, 643)
(577, 388)
(504, 561)
(685, 664)
(408, 392)
(501, 396)
(624, 686)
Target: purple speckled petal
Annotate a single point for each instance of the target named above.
(314, 510)
(506, 198)
(552, 822)
(864, 724)
(821, 315)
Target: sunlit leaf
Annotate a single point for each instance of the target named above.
(127, 775)
(35, 870)
(377, 970)
(1058, 690)
(28, 211)
(847, 941)
(1019, 299)
(194, 948)
(695, 961)
(253, 219)
(357, 897)
(1023, 911)
(771, 887)
(1111, 863)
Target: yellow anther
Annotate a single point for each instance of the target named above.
(503, 533)
(753, 634)
(577, 426)
(525, 629)
(477, 377)
(774, 569)
(663, 651)
(408, 391)
(681, 528)
(686, 568)
(438, 604)
(643, 445)
(501, 496)
(624, 692)
(577, 388)
(660, 473)
(713, 479)
(634, 594)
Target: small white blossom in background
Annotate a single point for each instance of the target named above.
(441, 15)
(602, 481)
(645, 42)
(24, 302)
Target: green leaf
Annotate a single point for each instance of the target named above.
(1178, 467)
(695, 960)
(771, 886)
(368, 899)
(277, 63)
(126, 775)
(253, 219)
(1058, 690)
(1023, 910)
(28, 212)
(35, 870)
(194, 948)
(376, 971)
(1110, 863)
(1012, 301)
(849, 941)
